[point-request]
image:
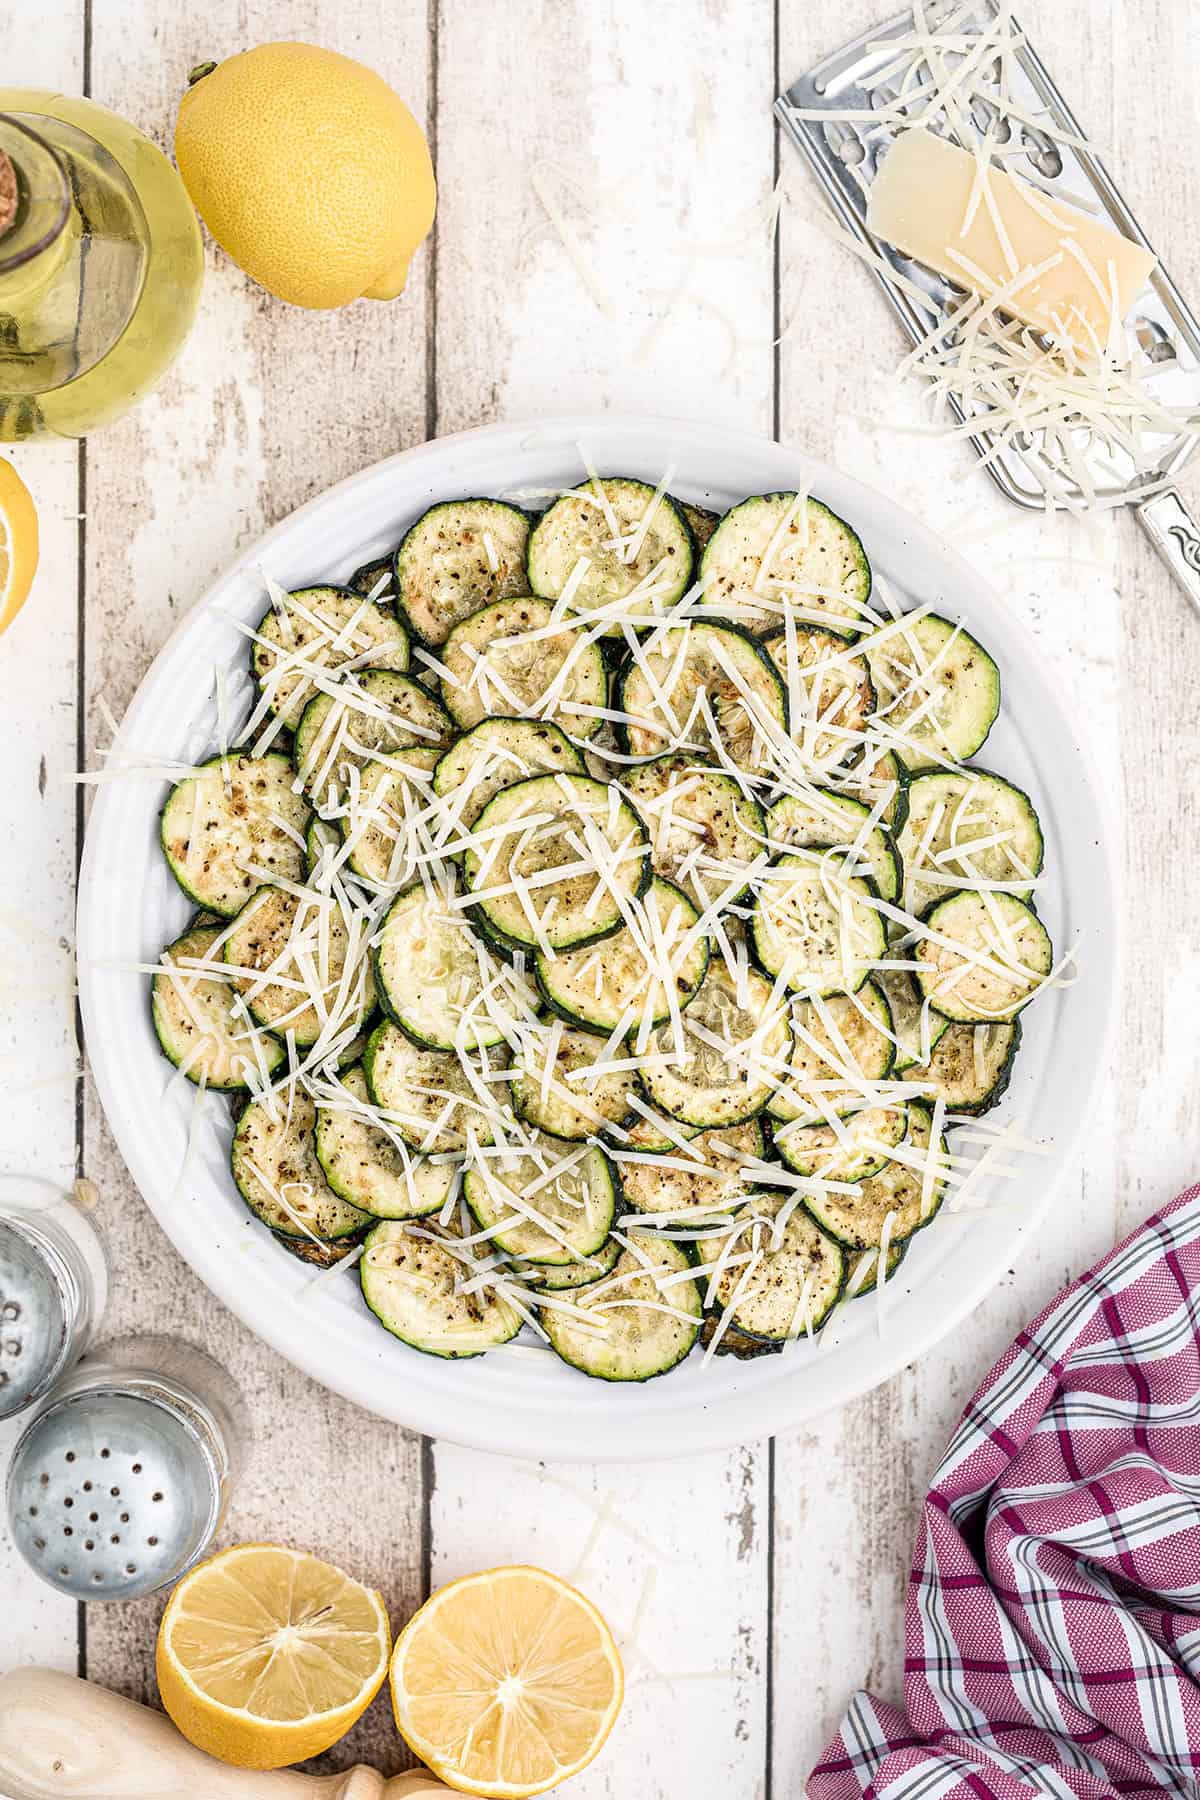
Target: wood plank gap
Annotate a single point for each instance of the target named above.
(776, 326)
(428, 1488)
(87, 47)
(769, 1646)
(81, 763)
(431, 290)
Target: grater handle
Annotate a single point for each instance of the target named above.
(1176, 536)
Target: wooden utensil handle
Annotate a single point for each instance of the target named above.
(65, 1739)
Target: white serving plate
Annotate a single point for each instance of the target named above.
(531, 1404)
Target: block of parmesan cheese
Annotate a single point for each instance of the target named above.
(1045, 263)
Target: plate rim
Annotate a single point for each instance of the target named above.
(702, 1427)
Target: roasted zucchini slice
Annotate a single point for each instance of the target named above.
(378, 715)
(815, 926)
(494, 754)
(718, 1181)
(550, 1202)
(917, 1027)
(698, 683)
(498, 663)
(700, 822)
(555, 1278)
(629, 539)
(737, 1046)
(822, 819)
(971, 1066)
(876, 774)
(984, 956)
(459, 556)
(277, 1173)
(862, 1275)
(528, 832)
(791, 1283)
(701, 522)
(936, 687)
(425, 1093)
(296, 966)
(195, 1021)
(326, 626)
(860, 1147)
(603, 987)
(378, 823)
(432, 975)
(369, 1168)
(898, 1201)
(967, 825)
(376, 578)
(240, 811)
(778, 552)
(846, 1039)
(413, 1284)
(829, 692)
(634, 1328)
(544, 1095)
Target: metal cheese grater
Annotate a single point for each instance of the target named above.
(119, 1483)
(867, 76)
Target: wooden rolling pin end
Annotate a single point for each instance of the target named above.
(64, 1739)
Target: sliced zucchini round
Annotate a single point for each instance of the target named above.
(276, 1171)
(696, 818)
(937, 688)
(196, 1025)
(781, 551)
(701, 522)
(376, 578)
(830, 696)
(862, 1148)
(412, 1286)
(494, 754)
(368, 1168)
(555, 1278)
(914, 1022)
(874, 775)
(846, 1039)
(985, 956)
(821, 819)
(377, 822)
(863, 1269)
(458, 557)
(425, 1093)
(326, 626)
(656, 1133)
(605, 985)
(635, 1328)
(949, 813)
(718, 1182)
(816, 926)
(971, 1066)
(744, 697)
(240, 810)
(551, 822)
(431, 973)
(794, 1285)
(321, 840)
(338, 733)
(566, 1109)
(295, 950)
(736, 1048)
(551, 1202)
(651, 544)
(496, 666)
(906, 1193)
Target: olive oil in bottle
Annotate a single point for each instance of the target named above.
(100, 264)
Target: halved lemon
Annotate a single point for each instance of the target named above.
(506, 1683)
(267, 1655)
(18, 543)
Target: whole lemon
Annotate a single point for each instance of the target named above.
(308, 170)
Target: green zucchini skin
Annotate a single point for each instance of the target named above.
(766, 1311)
(368, 575)
(807, 824)
(951, 917)
(586, 1232)
(398, 977)
(701, 523)
(857, 1290)
(856, 1222)
(410, 706)
(290, 1149)
(195, 940)
(364, 1168)
(734, 821)
(285, 857)
(394, 649)
(590, 1014)
(459, 765)
(966, 716)
(773, 960)
(574, 526)
(481, 640)
(736, 639)
(1003, 806)
(628, 1356)
(557, 1278)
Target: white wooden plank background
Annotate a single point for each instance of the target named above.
(778, 1580)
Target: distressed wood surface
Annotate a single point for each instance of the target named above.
(752, 1590)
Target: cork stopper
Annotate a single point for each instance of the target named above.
(8, 192)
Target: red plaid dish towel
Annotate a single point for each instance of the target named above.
(1052, 1627)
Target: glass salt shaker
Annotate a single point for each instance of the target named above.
(53, 1286)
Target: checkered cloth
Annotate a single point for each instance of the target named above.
(1052, 1629)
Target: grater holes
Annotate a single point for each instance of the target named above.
(13, 1346)
(104, 1455)
(87, 1487)
(97, 1577)
(93, 1518)
(124, 1518)
(153, 1542)
(156, 1496)
(39, 1543)
(70, 1456)
(44, 1479)
(62, 1568)
(115, 1492)
(11, 1312)
(131, 1568)
(67, 1500)
(89, 1543)
(68, 1531)
(3, 1378)
(33, 1512)
(137, 1468)
(115, 1538)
